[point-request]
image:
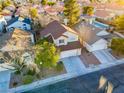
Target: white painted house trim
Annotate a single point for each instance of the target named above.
(69, 53)
(98, 45)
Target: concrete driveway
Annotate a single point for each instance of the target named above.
(74, 65)
(104, 56)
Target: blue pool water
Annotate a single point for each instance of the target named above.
(100, 25)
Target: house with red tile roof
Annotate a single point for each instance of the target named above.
(65, 38)
(107, 10)
(7, 14)
(103, 14)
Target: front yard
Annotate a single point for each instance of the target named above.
(18, 79)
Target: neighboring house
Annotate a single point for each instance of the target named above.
(7, 14)
(103, 14)
(65, 39)
(2, 23)
(92, 37)
(20, 23)
(20, 1)
(89, 19)
(107, 10)
(10, 8)
(18, 40)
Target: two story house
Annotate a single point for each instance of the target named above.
(65, 38)
(93, 38)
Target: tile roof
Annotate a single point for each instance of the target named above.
(102, 13)
(56, 29)
(88, 33)
(70, 46)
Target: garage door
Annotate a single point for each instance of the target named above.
(70, 53)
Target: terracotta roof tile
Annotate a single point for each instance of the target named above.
(56, 29)
(70, 46)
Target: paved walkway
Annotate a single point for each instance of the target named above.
(104, 56)
(74, 65)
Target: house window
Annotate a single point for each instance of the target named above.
(61, 41)
(24, 24)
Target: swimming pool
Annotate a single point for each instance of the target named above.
(100, 25)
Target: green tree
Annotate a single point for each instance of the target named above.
(117, 45)
(31, 1)
(93, 1)
(119, 22)
(88, 10)
(72, 11)
(44, 2)
(51, 3)
(33, 12)
(6, 3)
(47, 55)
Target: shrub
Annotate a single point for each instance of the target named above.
(59, 66)
(51, 3)
(15, 84)
(27, 79)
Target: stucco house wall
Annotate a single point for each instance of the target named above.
(99, 45)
